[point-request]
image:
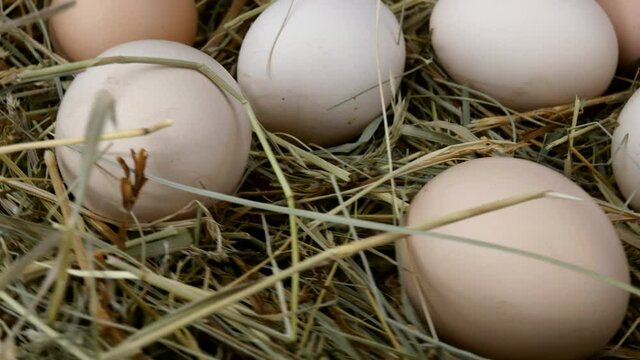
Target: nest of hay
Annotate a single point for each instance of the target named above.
(241, 279)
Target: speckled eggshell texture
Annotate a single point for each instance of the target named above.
(310, 68)
(207, 147)
(503, 306)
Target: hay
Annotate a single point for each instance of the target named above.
(273, 272)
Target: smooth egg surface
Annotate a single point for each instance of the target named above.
(207, 147)
(93, 26)
(625, 149)
(505, 306)
(526, 54)
(311, 68)
(624, 14)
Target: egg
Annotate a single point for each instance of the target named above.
(207, 147)
(93, 26)
(625, 149)
(624, 15)
(310, 68)
(504, 306)
(526, 54)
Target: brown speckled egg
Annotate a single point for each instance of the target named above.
(504, 306)
(93, 26)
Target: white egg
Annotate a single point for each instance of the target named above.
(207, 146)
(626, 151)
(310, 68)
(526, 54)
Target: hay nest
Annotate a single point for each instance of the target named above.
(240, 279)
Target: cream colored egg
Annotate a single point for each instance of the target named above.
(526, 54)
(626, 151)
(207, 147)
(93, 26)
(310, 68)
(624, 15)
(501, 305)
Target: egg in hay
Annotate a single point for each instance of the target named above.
(624, 15)
(625, 148)
(92, 26)
(207, 147)
(501, 305)
(310, 68)
(526, 54)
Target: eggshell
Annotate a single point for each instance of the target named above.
(626, 151)
(624, 15)
(207, 147)
(526, 54)
(501, 305)
(93, 26)
(312, 73)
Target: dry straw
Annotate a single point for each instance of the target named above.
(300, 263)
